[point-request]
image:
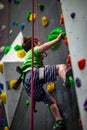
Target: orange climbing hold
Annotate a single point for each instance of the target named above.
(50, 87)
(62, 19)
(6, 128)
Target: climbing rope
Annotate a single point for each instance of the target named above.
(38, 27)
(32, 74)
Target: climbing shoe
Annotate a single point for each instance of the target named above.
(58, 125)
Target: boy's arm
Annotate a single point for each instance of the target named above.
(48, 45)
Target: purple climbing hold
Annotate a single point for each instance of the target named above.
(73, 15)
(78, 82)
(85, 105)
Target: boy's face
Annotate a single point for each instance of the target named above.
(38, 43)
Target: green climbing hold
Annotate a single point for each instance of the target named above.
(7, 49)
(18, 47)
(63, 34)
(41, 6)
(53, 35)
(48, 106)
(27, 102)
(28, 16)
(17, 1)
(17, 23)
(71, 81)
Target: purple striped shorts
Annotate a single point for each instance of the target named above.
(49, 76)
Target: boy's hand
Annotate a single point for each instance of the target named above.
(60, 36)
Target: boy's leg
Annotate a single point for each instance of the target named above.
(55, 111)
(61, 70)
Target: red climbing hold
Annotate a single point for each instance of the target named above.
(69, 60)
(82, 63)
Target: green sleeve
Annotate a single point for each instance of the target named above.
(36, 51)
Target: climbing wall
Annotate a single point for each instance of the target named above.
(75, 18)
(10, 61)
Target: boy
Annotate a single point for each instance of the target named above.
(50, 74)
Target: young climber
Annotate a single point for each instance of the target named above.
(49, 74)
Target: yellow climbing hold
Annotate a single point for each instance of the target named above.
(12, 83)
(45, 21)
(32, 16)
(1, 67)
(3, 97)
(6, 128)
(50, 87)
(21, 53)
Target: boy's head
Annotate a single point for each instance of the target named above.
(27, 42)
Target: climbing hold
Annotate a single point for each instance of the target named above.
(14, 22)
(53, 35)
(32, 17)
(69, 60)
(78, 82)
(71, 81)
(85, 105)
(21, 53)
(16, 1)
(2, 49)
(50, 87)
(27, 102)
(65, 40)
(73, 15)
(6, 128)
(18, 47)
(61, 19)
(81, 63)
(45, 21)
(1, 67)
(22, 26)
(63, 34)
(1, 86)
(11, 31)
(41, 6)
(17, 23)
(80, 123)
(7, 49)
(3, 123)
(1, 6)
(3, 27)
(28, 16)
(12, 83)
(3, 97)
(48, 107)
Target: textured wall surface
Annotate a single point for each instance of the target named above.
(66, 98)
